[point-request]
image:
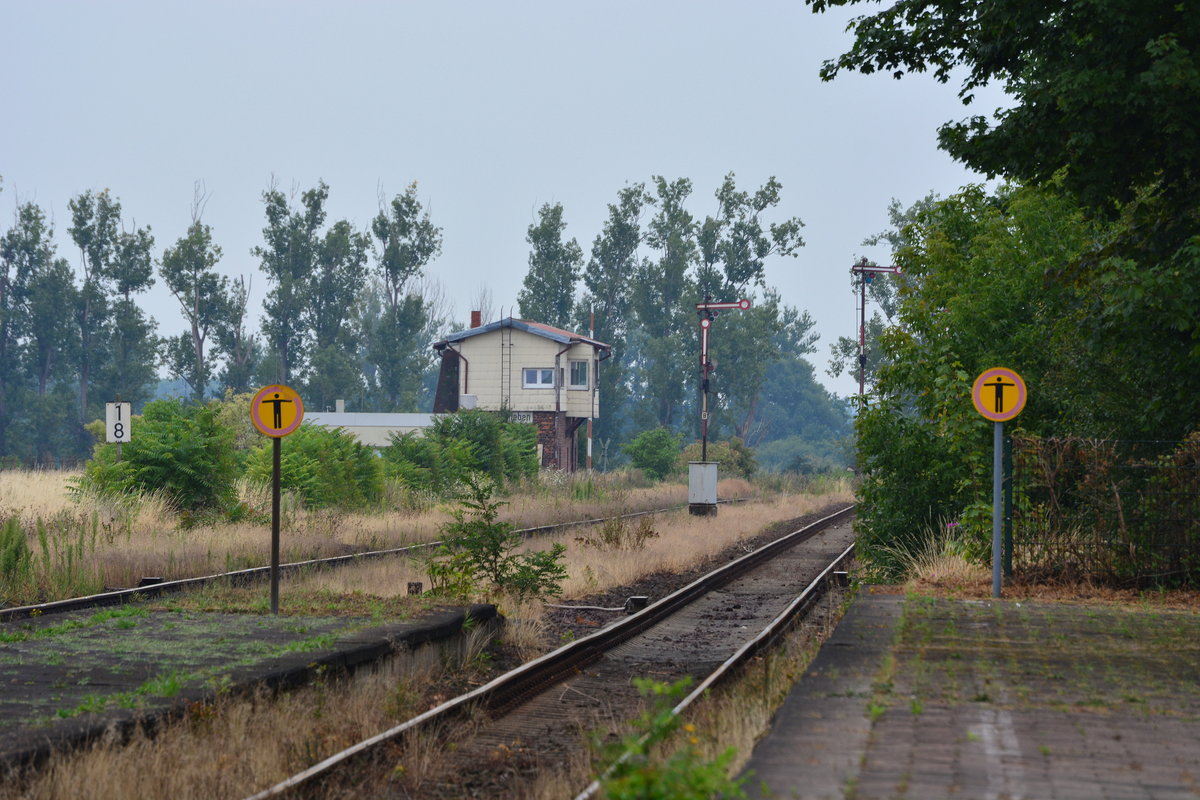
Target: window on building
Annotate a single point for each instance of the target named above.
(538, 378)
(579, 375)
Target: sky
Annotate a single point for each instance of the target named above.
(494, 109)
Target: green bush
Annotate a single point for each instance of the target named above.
(735, 458)
(654, 452)
(683, 775)
(478, 547)
(179, 450)
(326, 467)
(912, 477)
(460, 444)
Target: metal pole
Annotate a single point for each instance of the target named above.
(595, 378)
(862, 339)
(275, 525)
(1008, 507)
(997, 480)
(705, 324)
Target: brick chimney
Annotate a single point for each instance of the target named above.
(476, 319)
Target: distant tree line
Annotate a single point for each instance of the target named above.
(349, 313)
(637, 291)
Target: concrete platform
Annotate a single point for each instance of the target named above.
(922, 698)
(67, 678)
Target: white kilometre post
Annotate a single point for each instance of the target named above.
(117, 423)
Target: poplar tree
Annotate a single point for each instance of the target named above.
(548, 291)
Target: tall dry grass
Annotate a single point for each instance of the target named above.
(236, 746)
(679, 540)
(139, 537)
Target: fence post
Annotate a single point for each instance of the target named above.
(1008, 506)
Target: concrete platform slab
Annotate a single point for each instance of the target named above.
(923, 698)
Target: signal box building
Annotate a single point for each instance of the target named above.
(537, 373)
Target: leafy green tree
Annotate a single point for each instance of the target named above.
(733, 455)
(1103, 90)
(406, 242)
(1103, 95)
(180, 450)
(796, 408)
(548, 291)
(189, 271)
(663, 346)
(749, 347)
(289, 260)
(50, 358)
(94, 221)
(129, 371)
(975, 296)
(238, 344)
(608, 297)
(734, 245)
(26, 249)
(335, 368)
(654, 452)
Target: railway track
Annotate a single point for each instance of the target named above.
(153, 587)
(496, 738)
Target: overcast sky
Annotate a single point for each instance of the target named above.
(493, 108)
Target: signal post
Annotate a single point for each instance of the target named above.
(702, 474)
(276, 411)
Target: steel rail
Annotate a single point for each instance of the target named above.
(763, 640)
(252, 574)
(553, 666)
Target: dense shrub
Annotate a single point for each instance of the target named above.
(460, 444)
(479, 548)
(179, 450)
(654, 452)
(325, 466)
(734, 457)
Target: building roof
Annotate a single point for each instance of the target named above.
(536, 328)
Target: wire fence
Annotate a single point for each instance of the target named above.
(1112, 511)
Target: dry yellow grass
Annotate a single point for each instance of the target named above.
(141, 537)
(682, 540)
(239, 745)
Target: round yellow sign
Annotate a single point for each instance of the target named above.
(999, 394)
(277, 410)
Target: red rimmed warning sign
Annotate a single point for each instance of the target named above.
(277, 410)
(999, 394)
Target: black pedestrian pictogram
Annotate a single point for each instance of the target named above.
(278, 403)
(999, 386)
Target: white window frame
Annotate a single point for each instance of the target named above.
(587, 371)
(541, 373)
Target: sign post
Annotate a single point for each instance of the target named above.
(276, 411)
(999, 394)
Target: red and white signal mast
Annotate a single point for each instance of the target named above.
(708, 312)
(702, 474)
(866, 273)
